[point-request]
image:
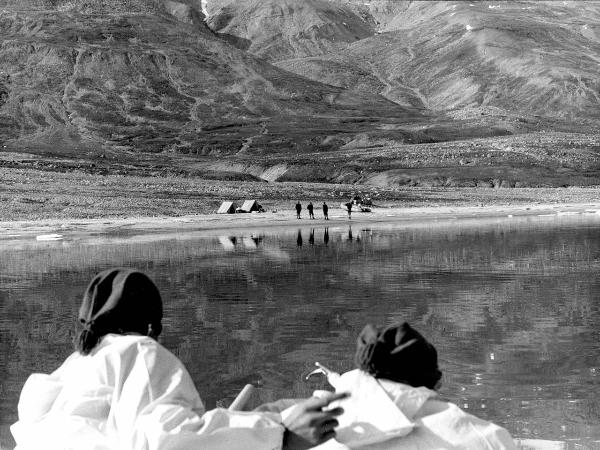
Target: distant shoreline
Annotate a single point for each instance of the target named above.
(214, 224)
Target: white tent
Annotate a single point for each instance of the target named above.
(227, 208)
(249, 206)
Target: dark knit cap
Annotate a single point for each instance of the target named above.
(118, 301)
(398, 353)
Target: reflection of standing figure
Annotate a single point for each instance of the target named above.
(325, 211)
(311, 237)
(310, 210)
(299, 239)
(326, 236)
(349, 233)
(298, 209)
(349, 206)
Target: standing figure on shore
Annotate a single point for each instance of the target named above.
(122, 389)
(310, 208)
(349, 207)
(325, 211)
(298, 209)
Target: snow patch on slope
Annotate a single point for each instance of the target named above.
(204, 4)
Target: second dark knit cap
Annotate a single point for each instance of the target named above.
(398, 353)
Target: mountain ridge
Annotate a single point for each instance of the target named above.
(152, 75)
(522, 55)
(81, 82)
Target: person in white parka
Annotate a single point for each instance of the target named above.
(393, 403)
(121, 389)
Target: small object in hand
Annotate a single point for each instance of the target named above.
(242, 398)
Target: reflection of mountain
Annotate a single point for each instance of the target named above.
(523, 291)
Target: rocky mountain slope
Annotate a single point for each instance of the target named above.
(281, 29)
(149, 81)
(316, 90)
(525, 56)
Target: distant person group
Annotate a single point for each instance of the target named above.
(357, 202)
(311, 210)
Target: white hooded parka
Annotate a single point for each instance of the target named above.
(131, 393)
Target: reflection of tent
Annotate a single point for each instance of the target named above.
(228, 243)
(227, 208)
(249, 242)
(249, 206)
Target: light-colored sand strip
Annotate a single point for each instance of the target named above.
(281, 218)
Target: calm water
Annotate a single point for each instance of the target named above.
(511, 304)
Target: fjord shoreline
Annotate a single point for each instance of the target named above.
(213, 224)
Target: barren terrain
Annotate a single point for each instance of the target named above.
(31, 195)
(277, 100)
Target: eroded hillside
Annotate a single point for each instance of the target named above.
(528, 57)
(281, 29)
(150, 82)
(368, 92)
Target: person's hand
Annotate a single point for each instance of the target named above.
(308, 424)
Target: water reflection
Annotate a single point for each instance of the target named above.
(512, 307)
(227, 242)
(248, 242)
